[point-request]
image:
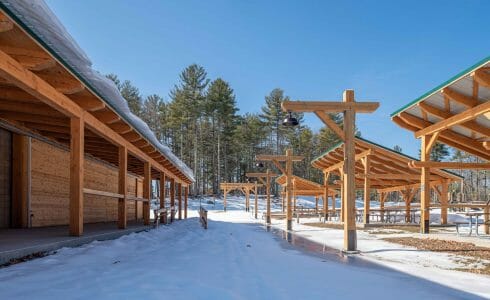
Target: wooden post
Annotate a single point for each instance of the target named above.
(342, 199)
(325, 196)
(172, 198)
(283, 203)
(225, 191)
(425, 185)
(20, 180)
(186, 195)
(367, 189)
(179, 196)
(289, 186)
(136, 193)
(407, 199)
(350, 234)
(382, 206)
(146, 193)
(316, 203)
(163, 190)
(256, 202)
(268, 191)
(444, 201)
(247, 199)
(76, 175)
(486, 219)
(122, 206)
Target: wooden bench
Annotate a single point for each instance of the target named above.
(307, 213)
(173, 212)
(160, 214)
(459, 223)
(203, 217)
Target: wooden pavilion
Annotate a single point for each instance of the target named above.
(245, 187)
(384, 171)
(71, 154)
(457, 113)
(305, 187)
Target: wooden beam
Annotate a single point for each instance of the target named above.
(278, 158)
(76, 176)
(122, 208)
(367, 189)
(5, 23)
(329, 106)
(471, 125)
(330, 124)
(482, 77)
(356, 158)
(463, 117)
(460, 98)
(186, 195)
(179, 197)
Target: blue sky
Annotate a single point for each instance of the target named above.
(388, 51)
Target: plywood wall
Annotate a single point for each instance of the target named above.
(50, 188)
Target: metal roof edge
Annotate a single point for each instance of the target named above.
(443, 85)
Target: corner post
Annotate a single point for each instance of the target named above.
(325, 196)
(76, 175)
(256, 210)
(122, 206)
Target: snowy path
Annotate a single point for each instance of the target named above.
(228, 261)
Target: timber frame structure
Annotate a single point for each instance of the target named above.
(456, 113)
(42, 96)
(284, 163)
(305, 187)
(349, 107)
(245, 188)
(265, 179)
(384, 170)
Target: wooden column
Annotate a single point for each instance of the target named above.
(179, 196)
(367, 188)
(163, 192)
(20, 180)
(186, 195)
(122, 206)
(172, 197)
(256, 209)
(247, 199)
(268, 192)
(382, 206)
(425, 186)
(486, 219)
(283, 204)
(136, 194)
(444, 201)
(289, 186)
(316, 203)
(342, 199)
(76, 175)
(325, 196)
(407, 199)
(225, 191)
(146, 193)
(350, 234)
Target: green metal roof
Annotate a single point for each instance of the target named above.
(444, 84)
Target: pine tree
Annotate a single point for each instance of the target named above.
(398, 149)
(130, 93)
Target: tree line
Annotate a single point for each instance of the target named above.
(200, 122)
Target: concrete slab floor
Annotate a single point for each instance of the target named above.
(18, 243)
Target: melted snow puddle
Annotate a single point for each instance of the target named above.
(292, 241)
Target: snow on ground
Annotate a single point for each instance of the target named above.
(234, 259)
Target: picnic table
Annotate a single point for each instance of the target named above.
(471, 214)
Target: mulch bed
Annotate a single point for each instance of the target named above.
(476, 254)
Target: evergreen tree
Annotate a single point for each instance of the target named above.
(398, 149)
